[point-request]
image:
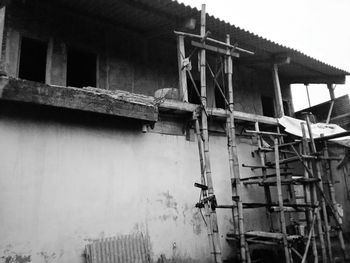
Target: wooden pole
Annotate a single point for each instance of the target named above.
(232, 173)
(203, 182)
(308, 200)
(332, 96)
(216, 238)
(278, 93)
(314, 197)
(280, 203)
(2, 39)
(330, 183)
(318, 166)
(236, 183)
(308, 94)
(182, 70)
(311, 234)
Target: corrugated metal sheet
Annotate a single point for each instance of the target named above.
(121, 249)
(150, 16)
(340, 113)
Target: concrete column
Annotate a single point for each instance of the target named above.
(278, 93)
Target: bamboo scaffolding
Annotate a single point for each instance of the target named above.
(320, 184)
(264, 173)
(330, 183)
(203, 182)
(236, 183)
(310, 237)
(213, 217)
(308, 213)
(280, 204)
(314, 197)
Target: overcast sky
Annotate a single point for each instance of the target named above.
(319, 28)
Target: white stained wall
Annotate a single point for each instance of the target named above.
(62, 185)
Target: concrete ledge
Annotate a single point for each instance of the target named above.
(93, 100)
(118, 103)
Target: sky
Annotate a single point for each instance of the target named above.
(318, 28)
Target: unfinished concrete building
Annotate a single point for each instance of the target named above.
(104, 105)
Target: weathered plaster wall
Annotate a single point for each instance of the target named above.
(63, 183)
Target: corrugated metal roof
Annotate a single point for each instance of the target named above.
(163, 16)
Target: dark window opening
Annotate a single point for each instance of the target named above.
(219, 99)
(192, 94)
(81, 68)
(268, 106)
(32, 64)
(286, 108)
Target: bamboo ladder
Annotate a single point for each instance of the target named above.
(282, 208)
(208, 200)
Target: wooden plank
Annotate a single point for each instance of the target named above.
(214, 49)
(80, 99)
(215, 112)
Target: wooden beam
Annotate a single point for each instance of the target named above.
(278, 93)
(340, 79)
(214, 49)
(182, 70)
(278, 59)
(38, 93)
(91, 100)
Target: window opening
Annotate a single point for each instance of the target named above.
(268, 106)
(32, 63)
(81, 68)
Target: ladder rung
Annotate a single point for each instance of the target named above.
(266, 133)
(284, 181)
(261, 176)
(253, 167)
(289, 144)
(257, 205)
(271, 235)
(286, 209)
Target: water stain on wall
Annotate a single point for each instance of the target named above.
(171, 210)
(16, 259)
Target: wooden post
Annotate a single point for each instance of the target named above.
(278, 93)
(308, 189)
(2, 28)
(308, 94)
(331, 91)
(332, 95)
(280, 203)
(330, 183)
(182, 71)
(2, 39)
(236, 183)
(307, 197)
(203, 182)
(320, 185)
(216, 238)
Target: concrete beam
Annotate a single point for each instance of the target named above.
(89, 99)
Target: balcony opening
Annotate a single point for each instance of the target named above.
(81, 68)
(32, 63)
(268, 107)
(192, 94)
